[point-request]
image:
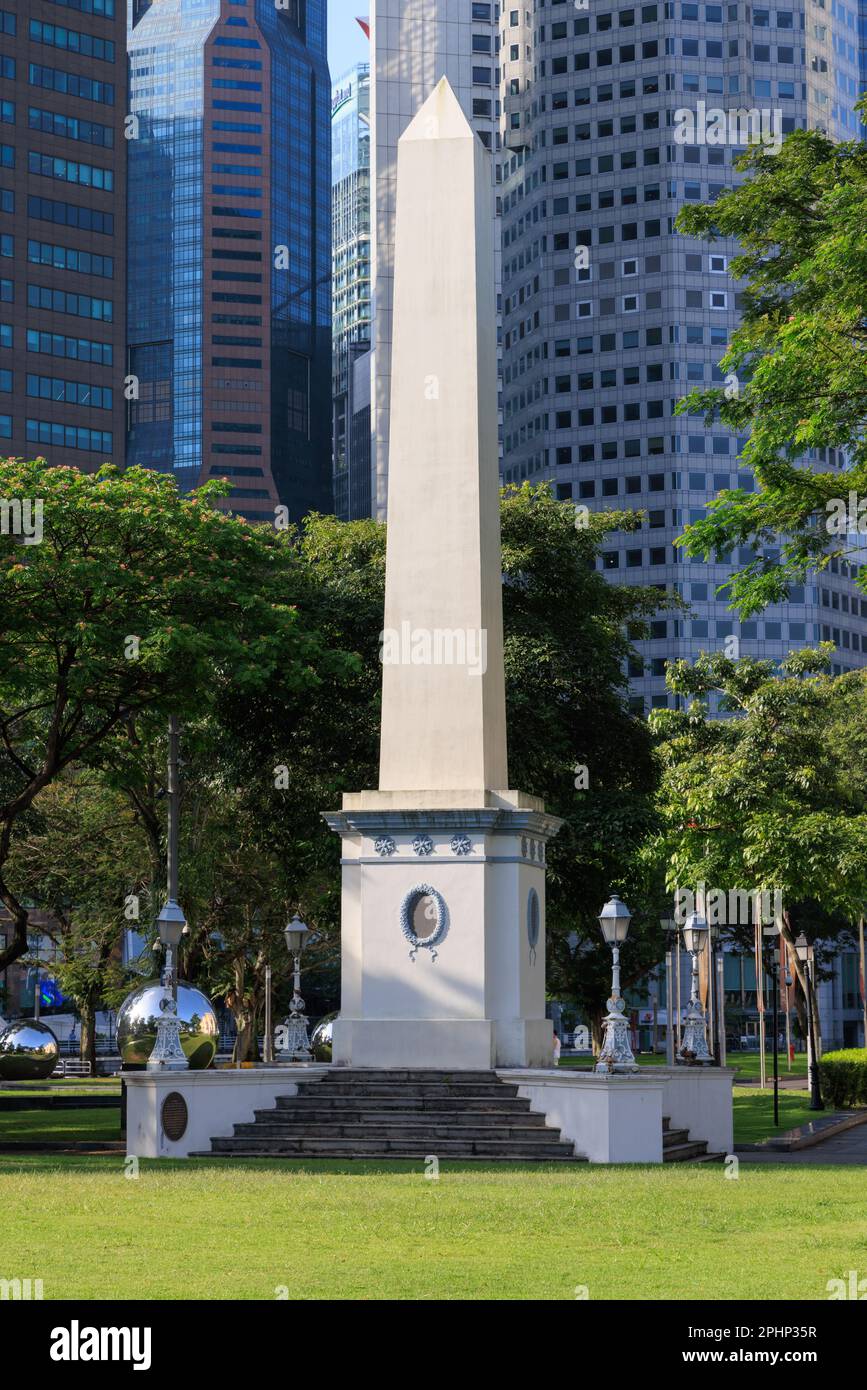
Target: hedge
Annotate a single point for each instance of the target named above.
(844, 1077)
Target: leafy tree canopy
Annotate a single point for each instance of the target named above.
(796, 364)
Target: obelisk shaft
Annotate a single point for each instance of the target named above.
(443, 691)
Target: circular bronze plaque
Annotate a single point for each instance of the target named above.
(174, 1116)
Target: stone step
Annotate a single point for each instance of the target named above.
(322, 1115)
(414, 1155)
(386, 1074)
(323, 1100)
(674, 1136)
(407, 1113)
(429, 1134)
(323, 1146)
(455, 1089)
(681, 1153)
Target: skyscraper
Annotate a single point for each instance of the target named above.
(350, 258)
(62, 231)
(229, 248)
(610, 316)
(413, 46)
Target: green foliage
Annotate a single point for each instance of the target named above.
(798, 354)
(136, 603)
(762, 800)
(843, 1076)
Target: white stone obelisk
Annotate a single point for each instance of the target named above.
(443, 946)
(440, 727)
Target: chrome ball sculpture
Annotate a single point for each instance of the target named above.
(137, 1025)
(28, 1051)
(321, 1040)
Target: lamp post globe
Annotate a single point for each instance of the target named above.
(616, 1053)
(295, 935)
(614, 920)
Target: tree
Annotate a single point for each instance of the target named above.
(762, 800)
(83, 858)
(137, 602)
(796, 366)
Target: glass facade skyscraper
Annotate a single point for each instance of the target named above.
(229, 263)
(350, 211)
(599, 344)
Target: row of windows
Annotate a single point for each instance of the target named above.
(76, 349)
(61, 302)
(71, 84)
(631, 304)
(71, 215)
(55, 36)
(103, 8)
(70, 127)
(712, 14)
(51, 388)
(70, 171)
(605, 57)
(69, 436)
(70, 258)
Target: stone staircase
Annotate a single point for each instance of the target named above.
(677, 1147)
(360, 1113)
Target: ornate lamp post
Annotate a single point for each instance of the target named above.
(616, 1054)
(168, 1055)
(296, 1046)
(805, 956)
(693, 1048)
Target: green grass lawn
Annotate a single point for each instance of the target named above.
(754, 1113)
(36, 1125)
(333, 1230)
(745, 1063)
(63, 1087)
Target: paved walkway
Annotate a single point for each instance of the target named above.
(848, 1147)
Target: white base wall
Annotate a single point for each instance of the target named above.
(700, 1099)
(609, 1119)
(468, 1044)
(216, 1102)
(476, 998)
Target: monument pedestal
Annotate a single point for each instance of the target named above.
(443, 932)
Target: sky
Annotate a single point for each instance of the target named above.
(346, 41)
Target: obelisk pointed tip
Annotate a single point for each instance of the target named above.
(440, 118)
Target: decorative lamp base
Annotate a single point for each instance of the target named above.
(294, 1041)
(168, 1055)
(693, 1050)
(616, 1054)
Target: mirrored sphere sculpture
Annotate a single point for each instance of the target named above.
(28, 1051)
(320, 1041)
(137, 1025)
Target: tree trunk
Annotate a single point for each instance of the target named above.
(87, 1046)
(243, 1006)
(596, 1016)
(801, 973)
(245, 1023)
